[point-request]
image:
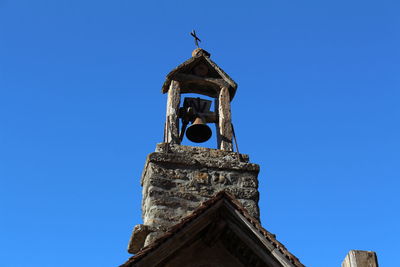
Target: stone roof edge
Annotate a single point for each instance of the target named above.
(268, 235)
(200, 210)
(220, 71)
(159, 157)
(211, 152)
(168, 79)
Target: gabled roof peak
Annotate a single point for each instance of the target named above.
(200, 75)
(233, 211)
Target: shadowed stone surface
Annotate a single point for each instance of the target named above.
(177, 179)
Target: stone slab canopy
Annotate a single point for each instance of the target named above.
(201, 75)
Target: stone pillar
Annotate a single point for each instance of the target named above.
(172, 120)
(360, 258)
(224, 120)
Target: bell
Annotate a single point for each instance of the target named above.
(198, 132)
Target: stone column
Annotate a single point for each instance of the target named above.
(224, 122)
(172, 120)
(360, 258)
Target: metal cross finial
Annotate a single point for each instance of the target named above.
(196, 39)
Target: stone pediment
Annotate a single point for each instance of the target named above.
(219, 233)
(200, 75)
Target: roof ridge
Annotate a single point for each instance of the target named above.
(201, 209)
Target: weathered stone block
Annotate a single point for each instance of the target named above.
(360, 258)
(177, 179)
(139, 235)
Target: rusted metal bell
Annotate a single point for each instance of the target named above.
(198, 132)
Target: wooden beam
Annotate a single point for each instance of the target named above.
(180, 239)
(181, 77)
(172, 120)
(268, 258)
(360, 258)
(224, 115)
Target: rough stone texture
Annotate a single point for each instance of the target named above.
(140, 232)
(177, 179)
(224, 120)
(360, 258)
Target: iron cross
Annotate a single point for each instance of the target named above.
(196, 39)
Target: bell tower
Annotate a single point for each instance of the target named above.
(200, 205)
(177, 179)
(199, 75)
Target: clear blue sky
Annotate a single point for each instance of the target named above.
(80, 108)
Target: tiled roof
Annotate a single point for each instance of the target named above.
(200, 210)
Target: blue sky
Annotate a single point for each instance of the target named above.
(80, 108)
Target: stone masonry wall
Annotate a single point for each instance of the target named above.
(177, 179)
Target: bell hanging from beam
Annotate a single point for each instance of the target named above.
(197, 111)
(199, 131)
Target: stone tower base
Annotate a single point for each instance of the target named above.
(177, 179)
